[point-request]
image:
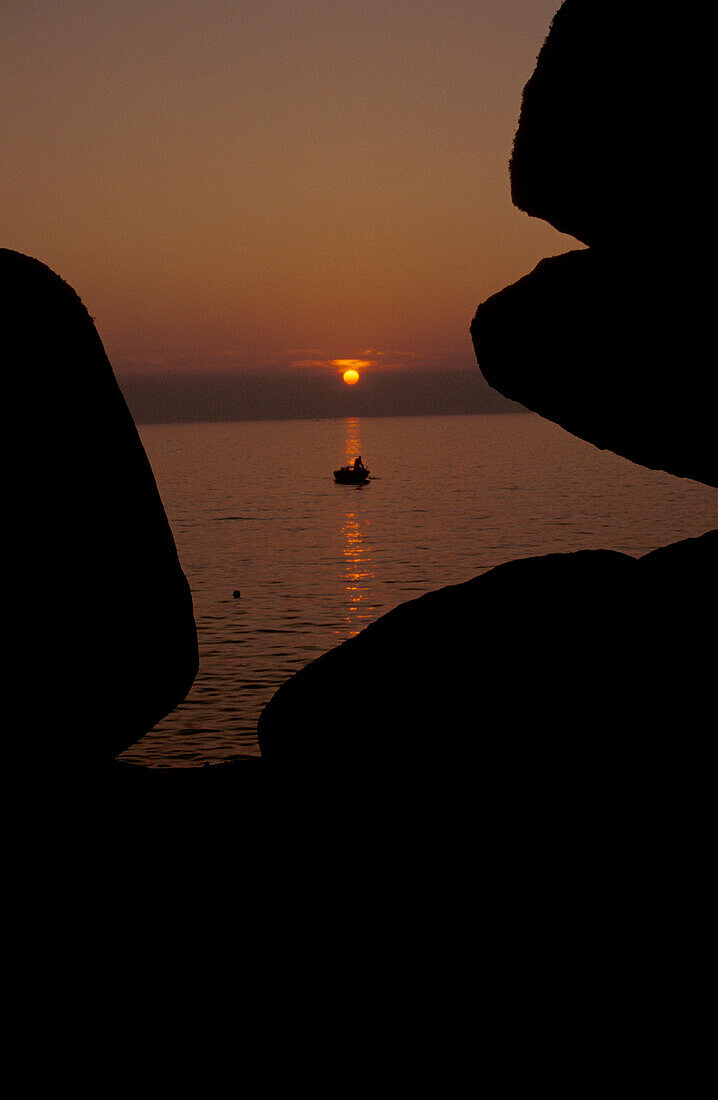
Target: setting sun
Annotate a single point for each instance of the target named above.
(351, 377)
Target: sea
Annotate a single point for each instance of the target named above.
(284, 563)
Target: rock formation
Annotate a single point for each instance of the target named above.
(101, 611)
(591, 136)
(610, 342)
(591, 340)
(516, 673)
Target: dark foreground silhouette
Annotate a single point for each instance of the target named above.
(584, 665)
(591, 341)
(101, 612)
(526, 759)
(610, 342)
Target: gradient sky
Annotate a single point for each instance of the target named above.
(242, 184)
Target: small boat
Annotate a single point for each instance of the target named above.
(356, 474)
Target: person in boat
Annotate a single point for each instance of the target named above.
(358, 464)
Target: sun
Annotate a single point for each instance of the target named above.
(351, 377)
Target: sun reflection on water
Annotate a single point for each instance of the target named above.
(358, 575)
(353, 439)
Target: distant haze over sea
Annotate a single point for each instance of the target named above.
(294, 394)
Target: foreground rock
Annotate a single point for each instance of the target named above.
(592, 341)
(595, 153)
(568, 666)
(610, 343)
(100, 608)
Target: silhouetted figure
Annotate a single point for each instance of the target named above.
(114, 649)
(358, 463)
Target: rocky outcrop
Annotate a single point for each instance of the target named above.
(613, 123)
(545, 666)
(610, 342)
(592, 341)
(100, 609)
(430, 685)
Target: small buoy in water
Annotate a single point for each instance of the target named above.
(236, 594)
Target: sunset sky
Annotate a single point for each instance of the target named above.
(258, 184)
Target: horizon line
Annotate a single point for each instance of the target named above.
(520, 411)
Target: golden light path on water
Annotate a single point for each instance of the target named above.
(358, 575)
(352, 446)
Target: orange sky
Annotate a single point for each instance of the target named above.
(234, 183)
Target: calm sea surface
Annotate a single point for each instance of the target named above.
(254, 508)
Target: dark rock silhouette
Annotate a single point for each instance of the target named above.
(104, 611)
(612, 123)
(541, 666)
(610, 342)
(410, 689)
(589, 341)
